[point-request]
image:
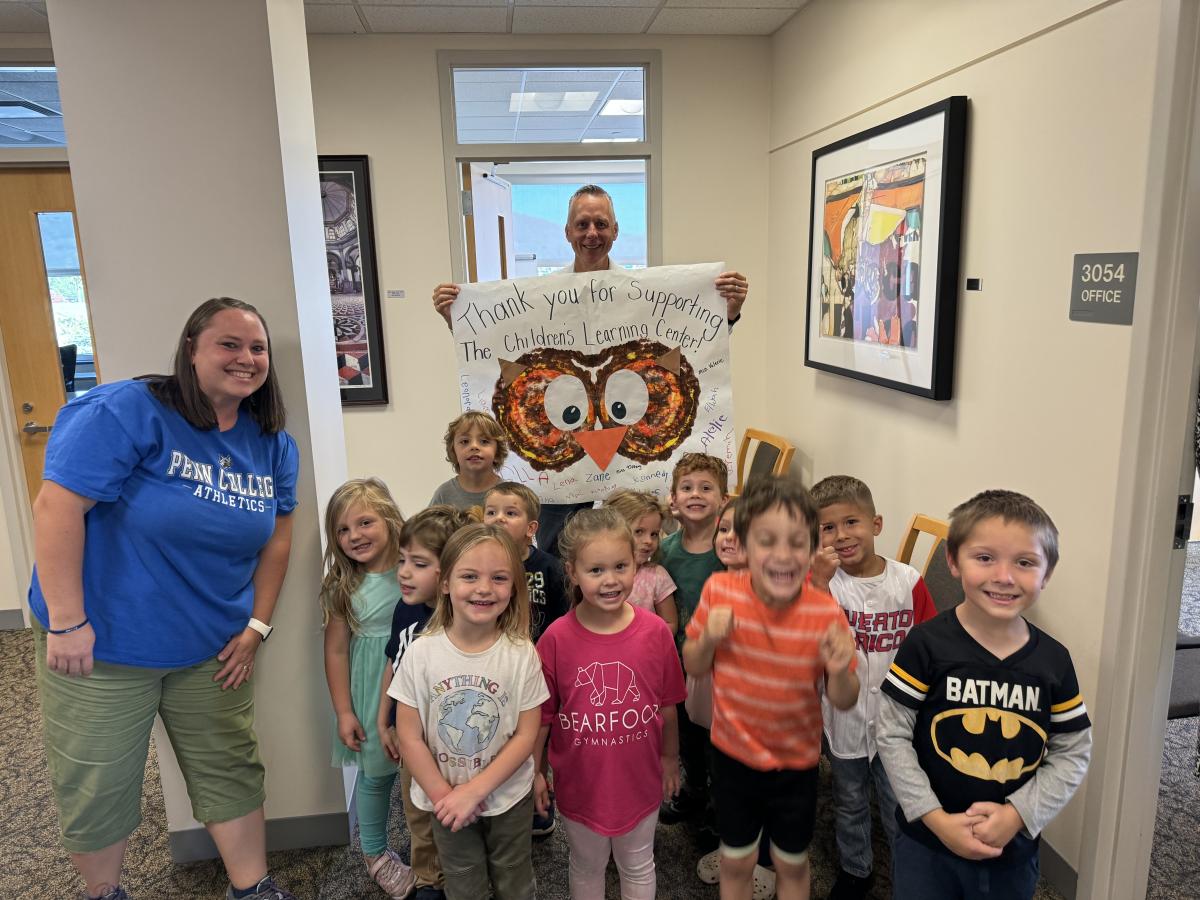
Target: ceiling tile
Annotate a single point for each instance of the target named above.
(593, 3)
(22, 19)
(325, 18)
(580, 20)
(440, 2)
(720, 21)
(735, 4)
(437, 19)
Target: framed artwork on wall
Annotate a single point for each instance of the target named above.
(353, 279)
(884, 244)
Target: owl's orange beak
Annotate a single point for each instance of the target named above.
(602, 445)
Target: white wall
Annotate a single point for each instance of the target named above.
(378, 95)
(1056, 165)
(225, 206)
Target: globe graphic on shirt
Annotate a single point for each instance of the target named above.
(467, 721)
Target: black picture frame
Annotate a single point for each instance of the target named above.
(350, 263)
(886, 207)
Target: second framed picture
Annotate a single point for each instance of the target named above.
(353, 279)
(883, 252)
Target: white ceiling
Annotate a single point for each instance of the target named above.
(504, 16)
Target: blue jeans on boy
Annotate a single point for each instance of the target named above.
(919, 873)
(852, 810)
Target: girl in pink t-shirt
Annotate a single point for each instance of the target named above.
(614, 679)
(653, 589)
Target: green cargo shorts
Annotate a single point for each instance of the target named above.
(97, 735)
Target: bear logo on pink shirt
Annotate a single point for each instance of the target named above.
(611, 682)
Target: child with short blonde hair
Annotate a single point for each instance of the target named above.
(476, 446)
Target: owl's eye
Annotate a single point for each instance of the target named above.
(626, 397)
(566, 402)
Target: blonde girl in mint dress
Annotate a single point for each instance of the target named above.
(358, 596)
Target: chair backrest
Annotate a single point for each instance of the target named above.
(67, 355)
(772, 456)
(945, 589)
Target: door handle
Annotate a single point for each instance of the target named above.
(35, 428)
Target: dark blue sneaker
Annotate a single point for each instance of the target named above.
(117, 893)
(266, 889)
(544, 825)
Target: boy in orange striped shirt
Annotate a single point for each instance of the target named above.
(768, 637)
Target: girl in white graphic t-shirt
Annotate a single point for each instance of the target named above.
(614, 680)
(469, 692)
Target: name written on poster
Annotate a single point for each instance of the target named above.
(677, 319)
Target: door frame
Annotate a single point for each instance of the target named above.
(1156, 466)
(455, 154)
(15, 502)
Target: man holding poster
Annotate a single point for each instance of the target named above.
(600, 381)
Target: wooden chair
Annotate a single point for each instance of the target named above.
(772, 456)
(945, 589)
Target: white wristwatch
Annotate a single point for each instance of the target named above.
(261, 627)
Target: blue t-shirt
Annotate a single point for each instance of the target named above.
(180, 517)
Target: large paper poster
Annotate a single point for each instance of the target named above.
(601, 380)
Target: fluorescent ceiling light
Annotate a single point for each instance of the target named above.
(616, 140)
(551, 101)
(622, 108)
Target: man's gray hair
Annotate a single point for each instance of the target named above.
(591, 190)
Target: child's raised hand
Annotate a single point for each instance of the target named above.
(837, 648)
(825, 563)
(719, 625)
(459, 808)
(350, 731)
(956, 831)
(671, 778)
(541, 794)
(999, 825)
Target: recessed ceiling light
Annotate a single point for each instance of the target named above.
(622, 108)
(551, 101)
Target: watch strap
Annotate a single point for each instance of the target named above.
(261, 627)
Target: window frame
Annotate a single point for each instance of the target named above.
(454, 153)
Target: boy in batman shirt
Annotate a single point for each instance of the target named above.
(983, 732)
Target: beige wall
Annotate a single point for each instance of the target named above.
(1056, 165)
(379, 96)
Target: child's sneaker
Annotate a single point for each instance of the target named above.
(390, 873)
(850, 887)
(117, 893)
(544, 825)
(429, 893)
(708, 869)
(266, 889)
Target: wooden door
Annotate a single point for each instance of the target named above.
(27, 325)
(487, 223)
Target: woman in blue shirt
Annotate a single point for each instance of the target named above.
(162, 535)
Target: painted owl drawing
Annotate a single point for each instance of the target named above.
(637, 399)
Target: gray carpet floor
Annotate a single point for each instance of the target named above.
(33, 865)
(1175, 857)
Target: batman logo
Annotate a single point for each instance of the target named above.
(959, 736)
